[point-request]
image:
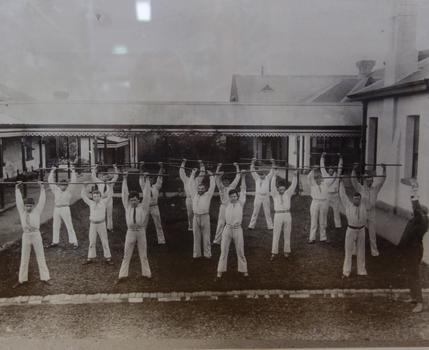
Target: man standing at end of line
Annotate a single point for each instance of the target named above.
(31, 237)
(155, 186)
(97, 226)
(369, 192)
(62, 194)
(105, 183)
(318, 207)
(332, 182)
(201, 199)
(224, 186)
(185, 179)
(282, 217)
(262, 195)
(411, 246)
(356, 213)
(233, 231)
(135, 216)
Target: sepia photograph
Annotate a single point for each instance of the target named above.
(214, 174)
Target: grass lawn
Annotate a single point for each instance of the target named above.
(309, 266)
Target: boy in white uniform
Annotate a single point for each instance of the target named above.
(62, 194)
(105, 184)
(201, 199)
(262, 195)
(369, 192)
(318, 207)
(224, 186)
(31, 237)
(185, 180)
(233, 230)
(153, 204)
(356, 213)
(282, 217)
(97, 218)
(332, 183)
(135, 216)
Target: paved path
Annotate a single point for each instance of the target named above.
(140, 297)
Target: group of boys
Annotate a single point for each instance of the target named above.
(326, 188)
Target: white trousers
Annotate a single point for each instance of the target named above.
(100, 230)
(265, 202)
(318, 209)
(281, 221)
(354, 238)
(109, 214)
(63, 213)
(371, 231)
(132, 237)
(32, 239)
(156, 217)
(190, 212)
(334, 203)
(201, 230)
(220, 224)
(232, 234)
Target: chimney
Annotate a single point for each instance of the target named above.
(403, 54)
(365, 68)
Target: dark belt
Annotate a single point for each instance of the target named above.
(201, 214)
(97, 222)
(355, 227)
(281, 211)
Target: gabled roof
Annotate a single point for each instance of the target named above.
(285, 89)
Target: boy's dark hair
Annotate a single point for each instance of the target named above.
(281, 183)
(28, 201)
(133, 194)
(232, 192)
(357, 194)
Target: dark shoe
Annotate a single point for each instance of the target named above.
(245, 275)
(52, 245)
(147, 278)
(311, 241)
(286, 255)
(218, 279)
(18, 284)
(88, 261)
(75, 246)
(48, 282)
(108, 261)
(345, 277)
(251, 228)
(273, 257)
(120, 280)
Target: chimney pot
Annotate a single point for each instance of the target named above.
(365, 67)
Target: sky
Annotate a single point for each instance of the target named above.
(183, 50)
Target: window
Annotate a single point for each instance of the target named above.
(412, 146)
(372, 140)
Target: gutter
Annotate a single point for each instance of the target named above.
(409, 88)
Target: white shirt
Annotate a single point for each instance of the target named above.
(30, 222)
(201, 203)
(369, 194)
(104, 187)
(262, 186)
(332, 183)
(135, 217)
(224, 191)
(356, 215)
(62, 198)
(282, 201)
(154, 190)
(318, 192)
(234, 211)
(97, 211)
